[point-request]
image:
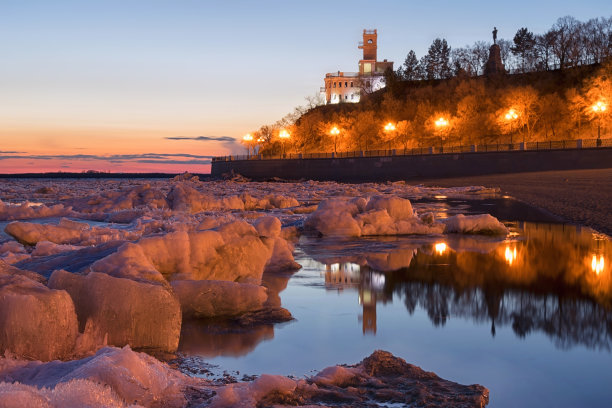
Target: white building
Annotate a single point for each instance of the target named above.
(349, 86)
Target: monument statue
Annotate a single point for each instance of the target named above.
(494, 65)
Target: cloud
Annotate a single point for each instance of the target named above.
(9, 152)
(159, 158)
(204, 138)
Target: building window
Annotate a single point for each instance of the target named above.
(352, 95)
(345, 97)
(346, 84)
(351, 84)
(339, 84)
(334, 84)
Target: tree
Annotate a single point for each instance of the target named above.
(524, 43)
(544, 50)
(565, 43)
(411, 70)
(524, 100)
(436, 63)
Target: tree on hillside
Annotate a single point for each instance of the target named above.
(436, 63)
(544, 51)
(523, 100)
(524, 43)
(566, 44)
(411, 70)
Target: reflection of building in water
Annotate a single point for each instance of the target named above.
(370, 285)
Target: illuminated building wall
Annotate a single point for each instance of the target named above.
(348, 86)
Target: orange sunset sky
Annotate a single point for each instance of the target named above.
(143, 86)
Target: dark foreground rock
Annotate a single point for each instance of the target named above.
(379, 379)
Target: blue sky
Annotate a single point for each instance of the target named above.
(109, 76)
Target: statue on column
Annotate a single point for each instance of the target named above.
(494, 35)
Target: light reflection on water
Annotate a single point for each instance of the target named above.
(524, 316)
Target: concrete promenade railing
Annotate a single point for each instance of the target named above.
(415, 164)
(496, 147)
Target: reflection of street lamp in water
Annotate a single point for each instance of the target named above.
(599, 108)
(283, 135)
(440, 248)
(597, 266)
(510, 255)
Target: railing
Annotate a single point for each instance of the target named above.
(497, 147)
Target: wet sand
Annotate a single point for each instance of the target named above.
(575, 196)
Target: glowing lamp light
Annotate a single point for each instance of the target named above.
(511, 115)
(389, 127)
(335, 131)
(441, 122)
(247, 138)
(599, 107)
(283, 134)
(440, 248)
(597, 266)
(261, 140)
(510, 255)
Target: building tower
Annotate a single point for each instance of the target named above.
(350, 86)
(369, 47)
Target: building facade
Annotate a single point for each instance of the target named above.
(349, 86)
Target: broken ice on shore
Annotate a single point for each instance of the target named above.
(122, 263)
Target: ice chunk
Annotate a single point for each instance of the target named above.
(27, 211)
(268, 226)
(35, 321)
(46, 248)
(141, 314)
(475, 224)
(234, 252)
(8, 270)
(398, 208)
(218, 298)
(340, 217)
(247, 395)
(111, 377)
(336, 375)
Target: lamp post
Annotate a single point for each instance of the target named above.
(441, 124)
(599, 108)
(248, 140)
(511, 116)
(283, 135)
(335, 132)
(389, 127)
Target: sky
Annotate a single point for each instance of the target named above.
(148, 85)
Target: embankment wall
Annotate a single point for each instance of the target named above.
(418, 167)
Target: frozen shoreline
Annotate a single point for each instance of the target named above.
(579, 196)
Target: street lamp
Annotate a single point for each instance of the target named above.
(441, 124)
(283, 135)
(599, 108)
(389, 127)
(248, 139)
(335, 132)
(511, 116)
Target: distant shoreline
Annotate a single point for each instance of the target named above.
(62, 175)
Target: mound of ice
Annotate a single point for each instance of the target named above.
(475, 224)
(380, 215)
(35, 321)
(247, 395)
(8, 270)
(113, 377)
(66, 232)
(46, 248)
(209, 298)
(27, 211)
(12, 252)
(109, 201)
(141, 314)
